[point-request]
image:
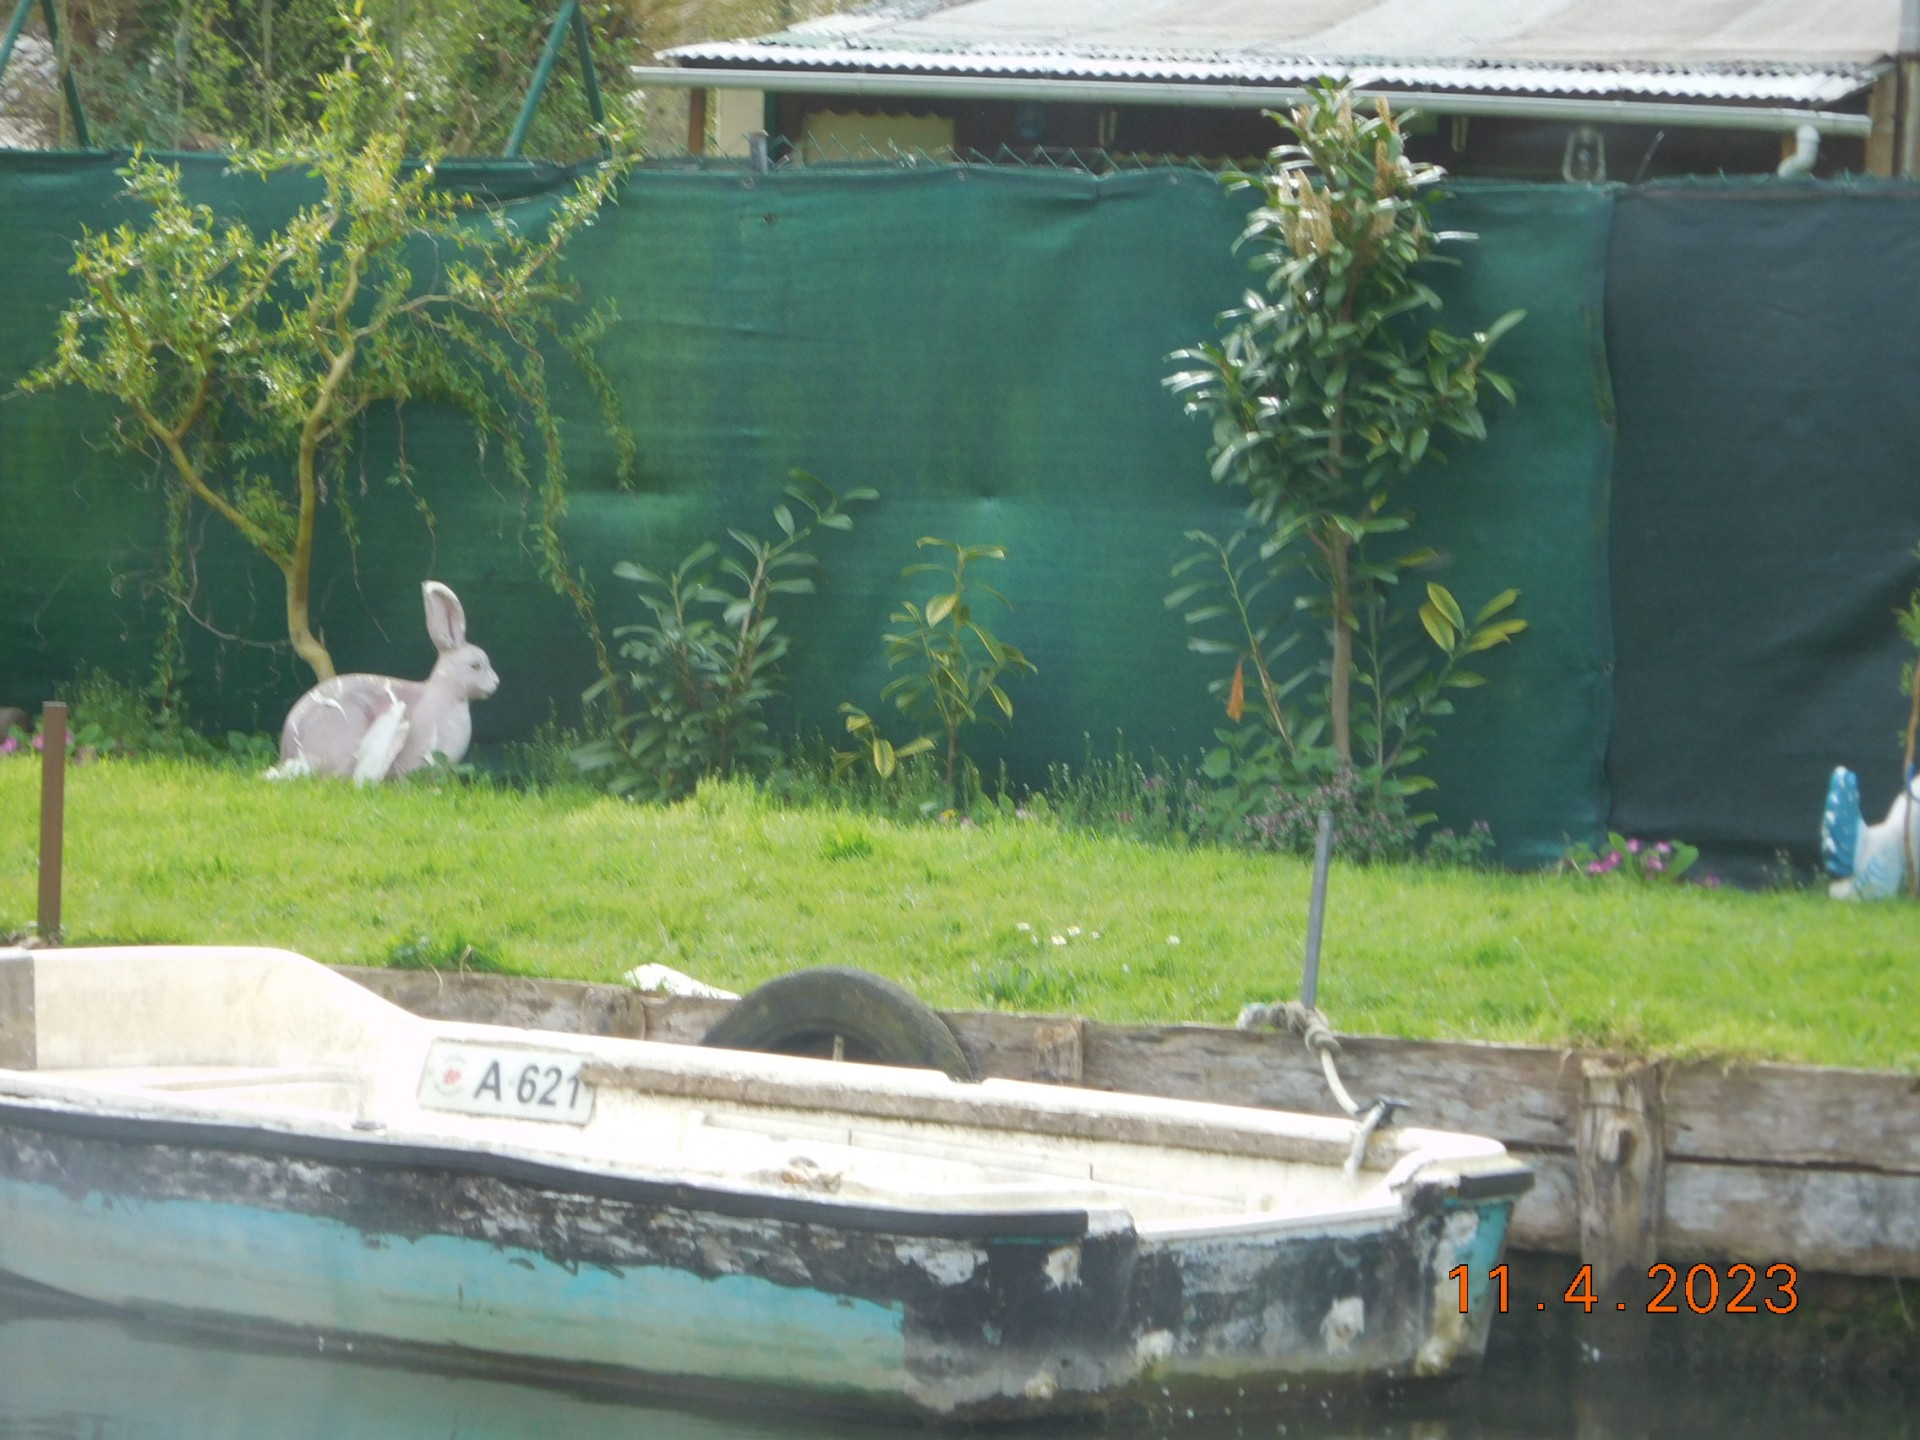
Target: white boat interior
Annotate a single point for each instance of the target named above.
(269, 1040)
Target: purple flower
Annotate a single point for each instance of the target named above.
(9, 745)
(1655, 865)
(1665, 847)
(1633, 847)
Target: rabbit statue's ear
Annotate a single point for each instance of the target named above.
(446, 621)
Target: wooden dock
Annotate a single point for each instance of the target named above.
(1813, 1167)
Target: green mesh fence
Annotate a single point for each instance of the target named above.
(1765, 348)
(983, 345)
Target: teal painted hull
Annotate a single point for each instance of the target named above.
(949, 1315)
(311, 1273)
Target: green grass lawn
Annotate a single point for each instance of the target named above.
(736, 891)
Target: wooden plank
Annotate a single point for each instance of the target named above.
(19, 1035)
(1060, 1051)
(1043, 1048)
(563, 1005)
(1782, 1114)
(1849, 1222)
(682, 1019)
(1518, 1094)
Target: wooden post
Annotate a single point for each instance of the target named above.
(1057, 1051)
(696, 122)
(1619, 1149)
(1906, 140)
(1883, 106)
(53, 817)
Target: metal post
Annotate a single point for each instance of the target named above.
(18, 23)
(53, 817)
(583, 42)
(1317, 909)
(71, 90)
(541, 74)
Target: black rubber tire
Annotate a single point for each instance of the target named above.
(877, 1022)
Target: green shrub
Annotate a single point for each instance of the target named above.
(701, 670)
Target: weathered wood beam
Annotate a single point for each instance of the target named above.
(1620, 1187)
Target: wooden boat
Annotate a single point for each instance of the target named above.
(239, 1137)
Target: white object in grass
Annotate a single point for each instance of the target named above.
(665, 980)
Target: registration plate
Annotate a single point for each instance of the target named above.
(522, 1084)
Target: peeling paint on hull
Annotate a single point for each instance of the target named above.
(472, 1253)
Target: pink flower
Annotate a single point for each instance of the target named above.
(1665, 847)
(9, 745)
(1655, 865)
(1633, 847)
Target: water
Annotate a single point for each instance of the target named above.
(68, 1376)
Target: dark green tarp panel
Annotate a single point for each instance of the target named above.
(1765, 342)
(983, 346)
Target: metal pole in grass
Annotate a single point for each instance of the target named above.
(1317, 909)
(53, 814)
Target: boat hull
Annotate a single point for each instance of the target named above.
(953, 1315)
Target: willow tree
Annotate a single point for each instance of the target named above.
(243, 360)
(1326, 391)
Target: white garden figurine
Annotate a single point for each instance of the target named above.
(372, 727)
(1868, 862)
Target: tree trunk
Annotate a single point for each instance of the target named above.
(1340, 706)
(306, 644)
(298, 573)
(299, 567)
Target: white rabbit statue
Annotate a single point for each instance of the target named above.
(374, 726)
(1868, 862)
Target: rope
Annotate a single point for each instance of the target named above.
(1307, 1022)
(1300, 1019)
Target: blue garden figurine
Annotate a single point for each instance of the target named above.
(1867, 862)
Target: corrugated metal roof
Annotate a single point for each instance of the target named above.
(1806, 53)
